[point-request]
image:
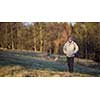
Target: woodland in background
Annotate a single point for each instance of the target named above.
(50, 37)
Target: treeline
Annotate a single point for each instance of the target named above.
(51, 36)
(87, 35)
(38, 36)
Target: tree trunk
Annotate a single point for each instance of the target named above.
(12, 39)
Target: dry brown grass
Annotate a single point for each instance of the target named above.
(19, 71)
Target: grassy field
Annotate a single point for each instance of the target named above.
(30, 64)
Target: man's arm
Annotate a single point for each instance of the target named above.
(76, 48)
(64, 49)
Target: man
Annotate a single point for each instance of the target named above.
(70, 49)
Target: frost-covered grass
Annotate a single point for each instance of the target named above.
(23, 63)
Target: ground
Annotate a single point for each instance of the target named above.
(32, 64)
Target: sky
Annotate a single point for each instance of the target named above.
(29, 23)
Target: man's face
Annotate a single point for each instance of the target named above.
(70, 39)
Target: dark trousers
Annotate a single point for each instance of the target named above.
(70, 61)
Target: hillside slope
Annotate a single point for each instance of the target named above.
(23, 63)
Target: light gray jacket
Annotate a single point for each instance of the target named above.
(70, 49)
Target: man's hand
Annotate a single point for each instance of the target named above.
(65, 52)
